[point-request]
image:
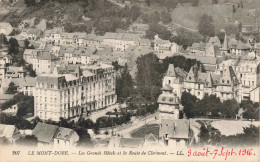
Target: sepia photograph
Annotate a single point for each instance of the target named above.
(129, 80)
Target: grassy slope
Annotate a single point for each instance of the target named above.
(145, 130)
(189, 16)
(52, 11)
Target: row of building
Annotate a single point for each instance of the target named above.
(226, 83)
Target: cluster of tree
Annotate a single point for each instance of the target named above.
(146, 109)
(12, 89)
(185, 37)
(249, 137)
(13, 46)
(148, 77)
(70, 28)
(251, 110)
(105, 121)
(210, 135)
(26, 107)
(25, 104)
(28, 140)
(19, 122)
(150, 74)
(80, 127)
(158, 29)
(156, 17)
(212, 106)
(27, 44)
(108, 17)
(180, 62)
(124, 85)
(206, 27)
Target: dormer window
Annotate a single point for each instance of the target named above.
(189, 78)
(228, 81)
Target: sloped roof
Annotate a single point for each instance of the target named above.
(168, 99)
(131, 142)
(175, 129)
(229, 77)
(242, 46)
(213, 40)
(151, 138)
(64, 133)
(45, 132)
(171, 71)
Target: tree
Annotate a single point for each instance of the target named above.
(26, 106)
(28, 140)
(27, 44)
(12, 89)
(157, 29)
(125, 84)
(29, 69)
(189, 101)
(209, 104)
(250, 109)
(148, 85)
(204, 134)
(3, 39)
(206, 27)
(185, 37)
(230, 108)
(13, 46)
(166, 17)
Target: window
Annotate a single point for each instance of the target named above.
(198, 93)
(169, 81)
(52, 86)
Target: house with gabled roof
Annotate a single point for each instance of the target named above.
(228, 86)
(53, 135)
(10, 133)
(175, 133)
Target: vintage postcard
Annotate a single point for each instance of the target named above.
(129, 80)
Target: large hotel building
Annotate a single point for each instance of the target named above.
(72, 90)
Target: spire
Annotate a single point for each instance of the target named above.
(171, 71)
(229, 77)
(193, 74)
(209, 81)
(225, 43)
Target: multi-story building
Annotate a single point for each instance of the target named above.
(225, 86)
(164, 48)
(120, 41)
(54, 35)
(174, 78)
(44, 62)
(71, 91)
(246, 71)
(57, 96)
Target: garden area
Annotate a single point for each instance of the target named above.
(145, 130)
